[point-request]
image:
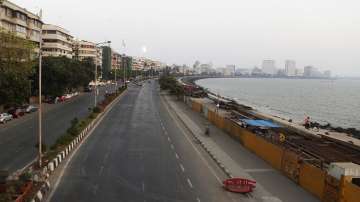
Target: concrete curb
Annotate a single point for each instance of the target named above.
(217, 161)
(53, 164)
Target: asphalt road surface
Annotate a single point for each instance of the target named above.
(18, 137)
(139, 153)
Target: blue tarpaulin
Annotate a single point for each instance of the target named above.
(260, 123)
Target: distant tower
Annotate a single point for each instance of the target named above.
(290, 68)
(268, 67)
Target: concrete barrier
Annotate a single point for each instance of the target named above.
(51, 166)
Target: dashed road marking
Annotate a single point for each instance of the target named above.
(182, 167)
(143, 186)
(176, 155)
(198, 200)
(169, 139)
(172, 146)
(189, 182)
(101, 170)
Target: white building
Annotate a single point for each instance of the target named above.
(268, 67)
(290, 68)
(57, 41)
(18, 20)
(84, 49)
(229, 70)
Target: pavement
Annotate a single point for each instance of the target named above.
(272, 185)
(18, 137)
(141, 152)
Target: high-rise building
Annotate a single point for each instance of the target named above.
(57, 41)
(18, 20)
(290, 68)
(268, 67)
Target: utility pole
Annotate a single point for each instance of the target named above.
(40, 101)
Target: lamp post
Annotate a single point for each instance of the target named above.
(40, 94)
(95, 78)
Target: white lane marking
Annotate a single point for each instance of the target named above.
(176, 155)
(189, 182)
(182, 167)
(163, 128)
(57, 181)
(143, 186)
(169, 139)
(198, 200)
(172, 146)
(192, 144)
(101, 170)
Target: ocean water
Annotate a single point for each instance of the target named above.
(326, 101)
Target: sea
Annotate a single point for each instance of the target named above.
(335, 101)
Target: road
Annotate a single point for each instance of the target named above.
(139, 153)
(18, 137)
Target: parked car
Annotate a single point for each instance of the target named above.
(16, 112)
(87, 89)
(30, 108)
(62, 98)
(5, 117)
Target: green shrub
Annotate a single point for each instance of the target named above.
(96, 109)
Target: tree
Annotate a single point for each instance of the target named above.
(16, 61)
(61, 75)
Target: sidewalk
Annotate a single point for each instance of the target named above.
(238, 161)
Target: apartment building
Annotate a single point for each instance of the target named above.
(57, 41)
(18, 20)
(84, 49)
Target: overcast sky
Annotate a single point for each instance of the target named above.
(322, 33)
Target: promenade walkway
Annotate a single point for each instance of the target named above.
(238, 161)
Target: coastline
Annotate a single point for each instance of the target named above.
(327, 129)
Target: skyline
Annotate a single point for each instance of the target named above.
(322, 34)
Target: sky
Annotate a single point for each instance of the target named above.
(322, 33)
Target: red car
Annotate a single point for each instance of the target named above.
(16, 112)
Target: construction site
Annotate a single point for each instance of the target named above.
(323, 163)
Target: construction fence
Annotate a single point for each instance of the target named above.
(311, 178)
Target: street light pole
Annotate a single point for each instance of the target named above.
(40, 101)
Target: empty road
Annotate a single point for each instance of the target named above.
(18, 137)
(139, 153)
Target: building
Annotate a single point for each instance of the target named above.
(290, 68)
(229, 70)
(98, 59)
(327, 73)
(243, 72)
(84, 49)
(106, 62)
(18, 20)
(309, 71)
(57, 41)
(115, 60)
(268, 67)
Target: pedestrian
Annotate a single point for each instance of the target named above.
(307, 122)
